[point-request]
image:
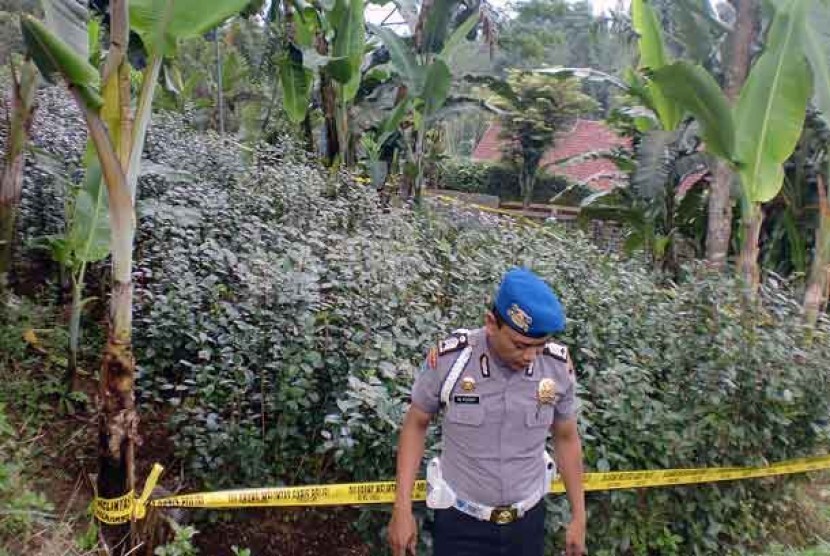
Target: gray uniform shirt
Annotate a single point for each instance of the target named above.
(495, 427)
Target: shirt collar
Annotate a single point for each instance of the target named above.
(495, 362)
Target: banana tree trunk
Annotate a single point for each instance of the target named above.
(125, 117)
(329, 102)
(118, 420)
(343, 135)
(8, 216)
(308, 132)
(328, 99)
(527, 180)
(74, 332)
(419, 162)
(719, 225)
(753, 217)
(22, 113)
(816, 294)
(720, 204)
(140, 123)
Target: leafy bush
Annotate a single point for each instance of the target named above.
(182, 543)
(498, 179)
(670, 377)
(282, 315)
(20, 506)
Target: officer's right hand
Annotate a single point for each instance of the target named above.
(403, 533)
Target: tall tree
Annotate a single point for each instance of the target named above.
(118, 138)
(424, 70)
(21, 111)
(560, 33)
(535, 107)
(817, 41)
(737, 53)
(765, 126)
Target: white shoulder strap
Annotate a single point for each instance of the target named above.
(455, 373)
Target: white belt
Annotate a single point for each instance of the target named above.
(441, 496)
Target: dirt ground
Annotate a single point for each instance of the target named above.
(292, 533)
(68, 455)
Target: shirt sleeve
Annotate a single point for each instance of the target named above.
(426, 392)
(565, 407)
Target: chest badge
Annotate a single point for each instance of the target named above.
(547, 391)
(468, 384)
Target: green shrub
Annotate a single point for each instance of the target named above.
(499, 179)
(182, 543)
(282, 315)
(20, 506)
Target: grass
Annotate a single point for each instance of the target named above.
(819, 492)
(821, 550)
(42, 510)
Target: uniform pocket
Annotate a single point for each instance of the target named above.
(541, 416)
(463, 414)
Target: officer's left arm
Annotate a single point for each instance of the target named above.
(568, 450)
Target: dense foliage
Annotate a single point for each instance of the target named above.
(20, 507)
(284, 316)
(26, 510)
(281, 317)
(547, 33)
(282, 309)
(499, 179)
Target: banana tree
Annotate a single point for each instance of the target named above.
(761, 133)
(653, 56)
(817, 43)
(816, 292)
(23, 87)
(349, 46)
(657, 214)
(327, 41)
(86, 240)
(424, 67)
(374, 143)
(662, 206)
(792, 219)
(736, 55)
(118, 140)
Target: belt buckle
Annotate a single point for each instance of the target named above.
(502, 515)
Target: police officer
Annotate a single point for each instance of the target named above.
(500, 390)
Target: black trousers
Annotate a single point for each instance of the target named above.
(458, 534)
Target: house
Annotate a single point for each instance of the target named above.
(585, 136)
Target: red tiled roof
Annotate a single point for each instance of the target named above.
(584, 137)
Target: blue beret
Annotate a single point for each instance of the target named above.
(528, 305)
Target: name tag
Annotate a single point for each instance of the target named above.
(466, 399)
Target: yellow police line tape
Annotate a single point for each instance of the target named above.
(127, 507)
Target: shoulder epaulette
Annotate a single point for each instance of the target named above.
(458, 340)
(557, 351)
